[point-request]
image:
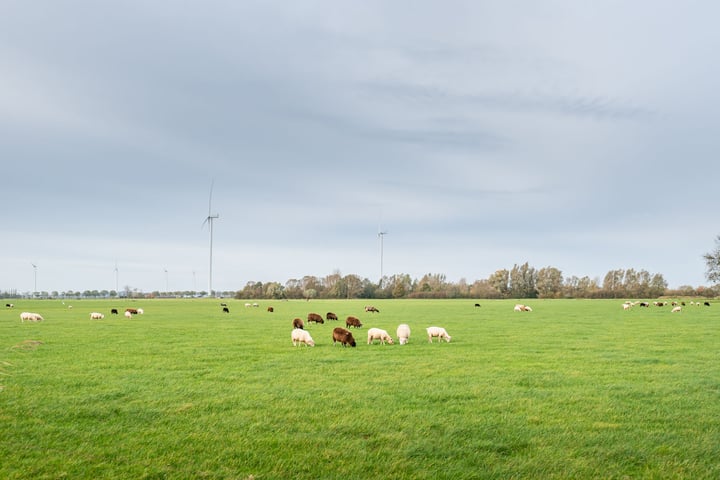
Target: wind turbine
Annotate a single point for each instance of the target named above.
(35, 268)
(116, 279)
(381, 235)
(209, 220)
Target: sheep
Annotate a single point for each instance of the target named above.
(330, 316)
(522, 308)
(353, 322)
(30, 317)
(314, 317)
(9, 305)
(270, 309)
(247, 305)
(403, 333)
(676, 309)
(299, 336)
(128, 314)
(379, 334)
(140, 311)
(437, 332)
(343, 336)
(225, 310)
(113, 311)
(371, 309)
(626, 306)
(298, 323)
(96, 316)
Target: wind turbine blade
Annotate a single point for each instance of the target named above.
(212, 184)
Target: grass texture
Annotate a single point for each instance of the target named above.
(574, 389)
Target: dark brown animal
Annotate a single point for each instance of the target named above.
(372, 309)
(343, 336)
(330, 316)
(352, 322)
(271, 309)
(314, 317)
(113, 311)
(298, 323)
(226, 310)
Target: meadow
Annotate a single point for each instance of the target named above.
(574, 389)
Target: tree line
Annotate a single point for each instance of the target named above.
(521, 281)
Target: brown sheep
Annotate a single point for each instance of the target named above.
(371, 309)
(298, 323)
(353, 322)
(330, 316)
(343, 336)
(270, 309)
(314, 317)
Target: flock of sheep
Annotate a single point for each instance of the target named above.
(300, 336)
(676, 307)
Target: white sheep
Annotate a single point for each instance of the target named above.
(140, 311)
(300, 336)
(96, 316)
(403, 333)
(379, 334)
(676, 309)
(437, 332)
(30, 317)
(128, 314)
(626, 306)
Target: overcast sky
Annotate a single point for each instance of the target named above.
(477, 134)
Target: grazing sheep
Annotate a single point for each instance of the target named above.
(140, 311)
(298, 323)
(627, 306)
(247, 305)
(270, 309)
(522, 308)
(437, 332)
(403, 333)
(300, 336)
(370, 308)
(379, 334)
(132, 311)
(314, 317)
(343, 336)
(113, 311)
(9, 305)
(30, 317)
(330, 316)
(226, 310)
(96, 316)
(676, 309)
(707, 304)
(128, 314)
(352, 322)
(477, 304)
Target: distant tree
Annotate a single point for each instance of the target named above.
(523, 281)
(549, 282)
(353, 286)
(483, 289)
(613, 284)
(712, 262)
(500, 281)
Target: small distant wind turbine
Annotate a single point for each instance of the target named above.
(209, 220)
(35, 269)
(381, 235)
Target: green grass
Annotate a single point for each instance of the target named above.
(574, 389)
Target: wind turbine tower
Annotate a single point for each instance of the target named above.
(209, 220)
(381, 235)
(35, 272)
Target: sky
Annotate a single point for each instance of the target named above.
(476, 134)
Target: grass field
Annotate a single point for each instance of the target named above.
(574, 389)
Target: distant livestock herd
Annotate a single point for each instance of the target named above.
(343, 336)
(676, 306)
